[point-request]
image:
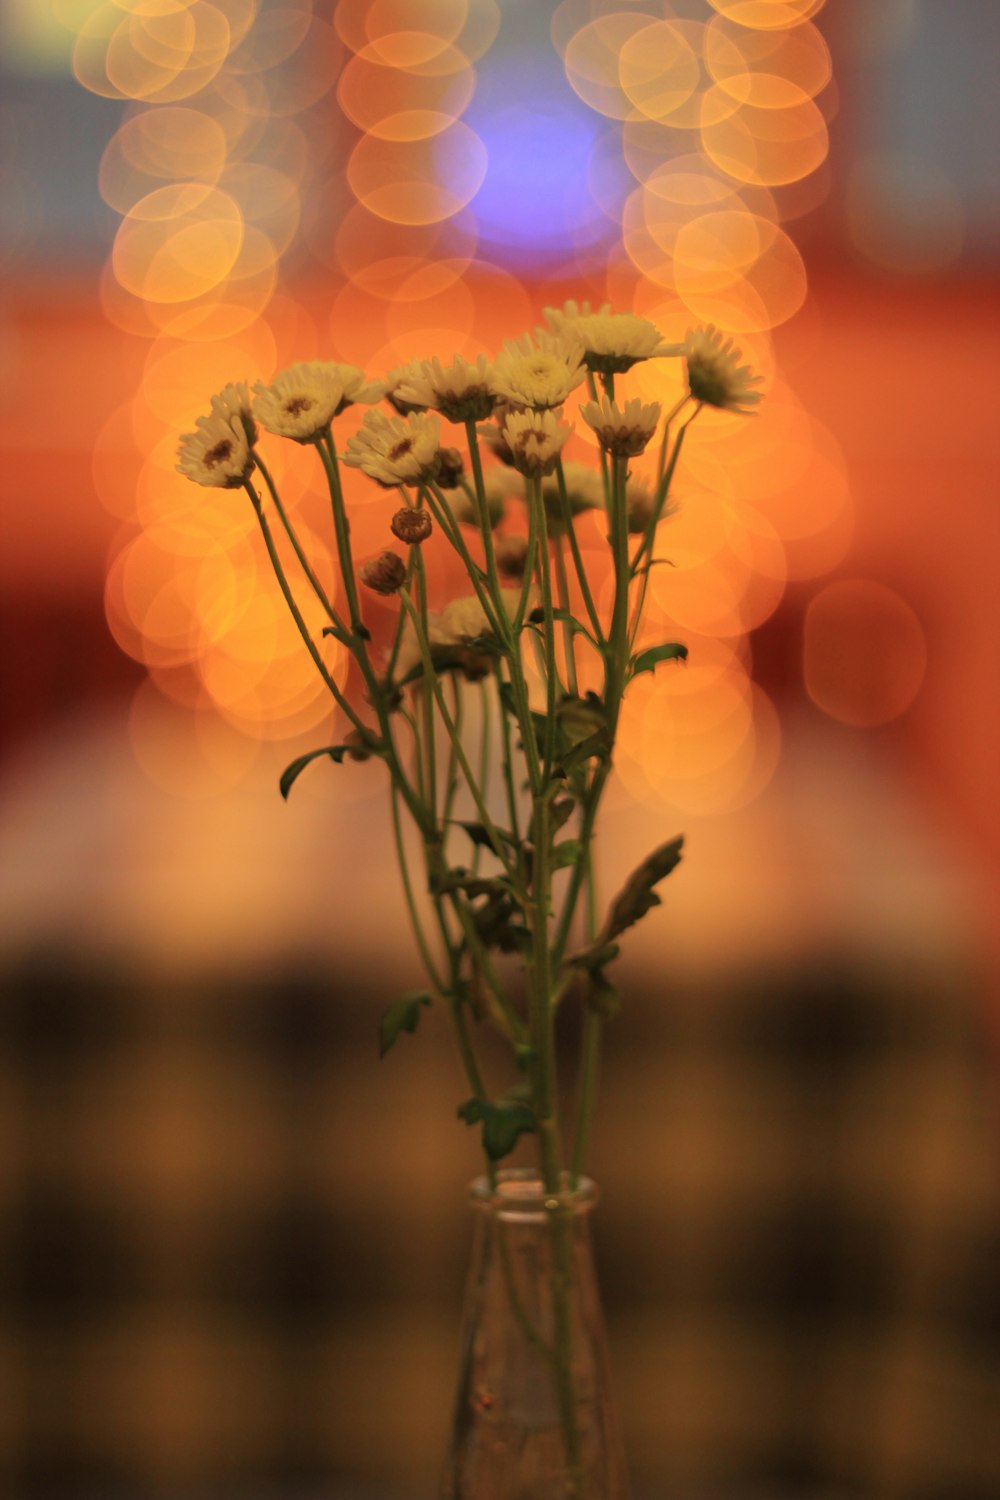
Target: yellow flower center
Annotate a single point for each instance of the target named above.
(298, 404)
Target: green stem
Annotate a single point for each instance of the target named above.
(616, 659)
(660, 499)
(342, 529)
(418, 930)
(496, 843)
(296, 614)
(590, 1045)
(569, 639)
(290, 532)
(485, 528)
(430, 780)
(451, 783)
(508, 761)
(438, 507)
(665, 440)
(574, 546)
(485, 746)
(545, 575)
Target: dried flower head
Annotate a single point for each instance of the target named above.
(411, 526)
(461, 391)
(395, 450)
(535, 439)
(622, 430)
(538, 371)
(451, 467)
(384, 574)
(715, 375)
(302, 401)
(217, 454)
(234, 401)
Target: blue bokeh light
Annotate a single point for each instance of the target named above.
(536, 205)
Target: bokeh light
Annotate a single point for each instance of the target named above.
(695, 136)
(863, 653)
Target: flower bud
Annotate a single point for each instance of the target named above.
(450, 468)
(383, 574)
(511, 554)
(411, 525)
(357, 747)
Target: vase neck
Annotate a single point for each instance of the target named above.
(518, 1195)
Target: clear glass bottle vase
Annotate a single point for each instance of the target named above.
(533, 1413)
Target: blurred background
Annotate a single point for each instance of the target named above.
(233, 1244)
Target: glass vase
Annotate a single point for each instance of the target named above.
(533, 1413)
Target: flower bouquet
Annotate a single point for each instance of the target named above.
(505, 910)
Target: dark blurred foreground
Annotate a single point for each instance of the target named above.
(234, 1246)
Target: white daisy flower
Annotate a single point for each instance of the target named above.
(614, 342)
(559, 318)
(302, 401)
(539, 372)
(535, 439)
(404, 375)
(639, 497)
(217, 454)
(449, 636)
(396, 450)
(715, 375)
(622, 430)
(461, 391)
(234, 401)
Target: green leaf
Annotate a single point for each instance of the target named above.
(579, 717)
(566, 853)
(562, 810)
(402, 1015)
(564, 616)
(503, 1122)
(648, 660)
(338, 634)
(594, 745)
(637, 895)
(478, 834)
(291, 773)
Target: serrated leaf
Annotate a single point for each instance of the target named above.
(504, 1121)
(402, 1015)
(291, 773)
(566, 853)
(637, 895)
(648, 660)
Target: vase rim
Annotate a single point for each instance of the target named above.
(519, 1194)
